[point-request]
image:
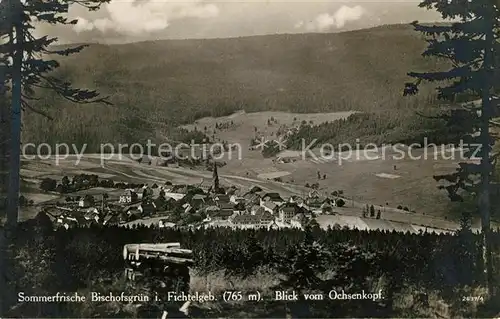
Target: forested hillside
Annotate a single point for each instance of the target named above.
(155, 85)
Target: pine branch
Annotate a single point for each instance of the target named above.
(37, 111)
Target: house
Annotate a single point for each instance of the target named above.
(176, 196)
(273, 197)
(251, 199)
(73, 219)
(111, 220)
(225, 205)
(86, 201)
(296, 199)
(270, 207)
(205, 186)
(315, 203)
(221, 198)
(132, 214)
(165, 224)
(147, 208)
(256, 210)
(304, 207)
(176, 192)
(265, 218)
(198, 200)
(219, 215)
(247, 220)
(227, 209)
(236, 199)
(66, 221)
(128, 196)
(92, 215)
(287, 212)
(211, 209)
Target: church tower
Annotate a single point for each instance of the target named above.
(215, 177)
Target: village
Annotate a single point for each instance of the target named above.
(207, 204)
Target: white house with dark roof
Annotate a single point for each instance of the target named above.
(127, 196)
(287, 212)
(235, 199)
(269, 206)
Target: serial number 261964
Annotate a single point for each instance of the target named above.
(472, 299)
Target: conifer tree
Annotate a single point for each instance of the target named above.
(308, 262)
(29, 67)
(470, 46)
(465, 252)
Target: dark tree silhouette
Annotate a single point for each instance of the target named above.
(48, 184)
(339, 202)
(470, 45)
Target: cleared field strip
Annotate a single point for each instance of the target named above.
(389, 176)
(359, 223)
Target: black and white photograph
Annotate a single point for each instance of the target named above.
(249, 159)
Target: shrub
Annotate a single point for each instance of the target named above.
(340, 202)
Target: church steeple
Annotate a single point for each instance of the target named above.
(215, 178)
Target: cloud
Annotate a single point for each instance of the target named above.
(326, 21)
(299, 25)
(83, 25)
(132, 17)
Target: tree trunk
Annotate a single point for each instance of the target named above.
(3, 188)
(16, 112)
(486, 167)
(4, 144)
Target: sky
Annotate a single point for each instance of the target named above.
(122, 21)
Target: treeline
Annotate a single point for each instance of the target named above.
(85, 181)
(47, 261)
